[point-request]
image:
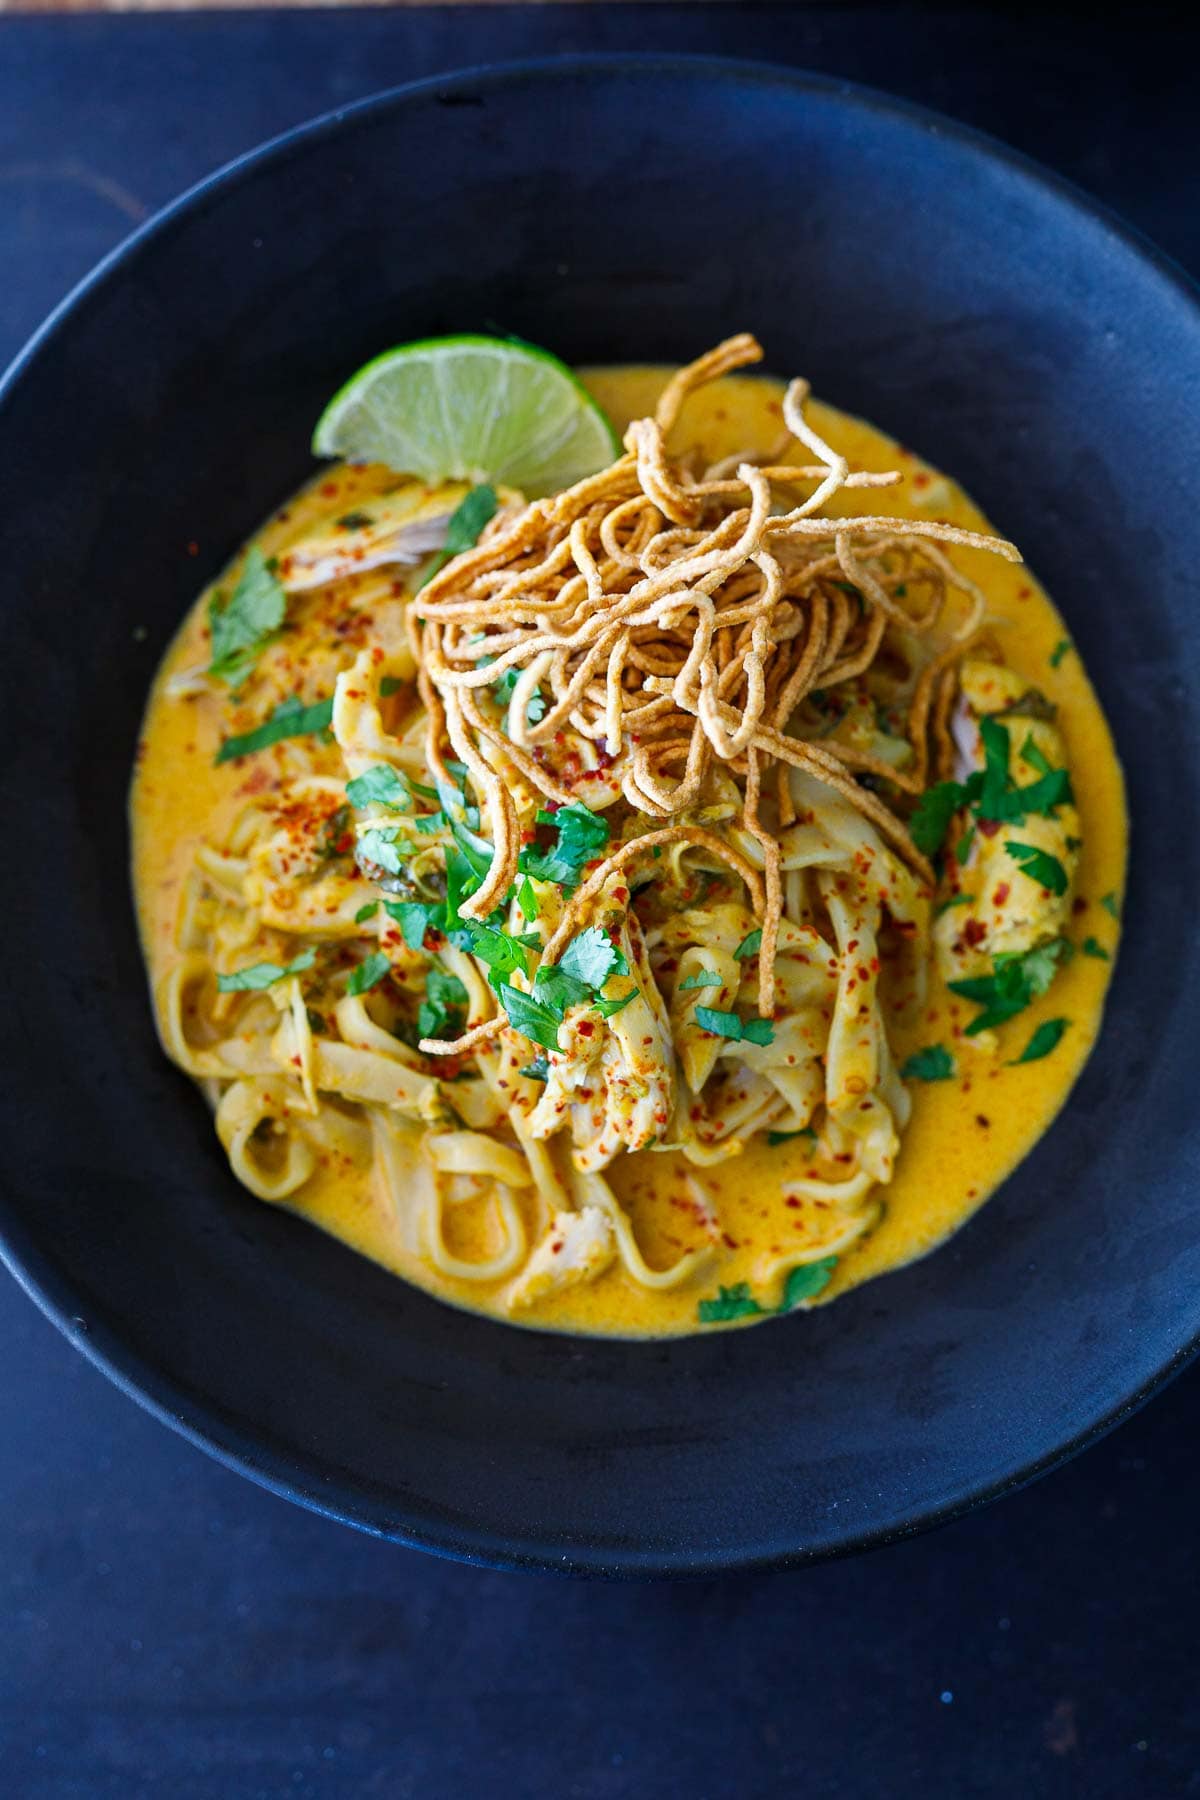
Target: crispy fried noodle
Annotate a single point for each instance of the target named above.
(614, 822)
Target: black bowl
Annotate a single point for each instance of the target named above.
(614, 209)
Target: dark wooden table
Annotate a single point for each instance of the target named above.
(170, 1630)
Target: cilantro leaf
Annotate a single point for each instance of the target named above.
(805, 1281)
(1059, 651)
(606, 1008)
(748, 946)
(466, 522)
(253, 614)
(996, 749)
(527, 901)
(366, 912)
(962, 849)
(1092, 948)
(934, 1063)
(1045, 1039)
(1035, 757)
(380, 786)
(476, 850)
(953, 900)
(1013, 983)
(557, 987)
(581, 835)
(934, 811)
(381, 847)
(1039, 865)
(263, 975)
(1032, 704)
(414, 917)
(731, 1303)
(445, 996)
(530, 1016)
(502, 954)
(1112, 906)
(368, 974)
(290, 719)
(503, 686)
(537, 1070)
(785, 1137)
(701, 979)
(729, 1025)
(591, 958)
(354, 521)
(389, 685)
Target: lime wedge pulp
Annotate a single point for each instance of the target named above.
(470, 409)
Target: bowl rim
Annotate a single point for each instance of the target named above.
(310, 1483)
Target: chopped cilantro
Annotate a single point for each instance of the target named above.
(606, 1008)
(366, 912)
(537, 1070)
(382, 848)
(1059, 651)
(934, 811)
(1112, 906)
(316, 1021)
(1039, 865)
(591, 958)
(336, 833)
(581, 835)
(290, 719)
(389, 685)
(414, 917)
(246, 624)
(996, 749)
(731, 1303)
(263, 975)
(748, 946)
(557, 987)
(1035, 757)
(527, 900)
(803, 1283)
(355, 521)
(502, 954)
(445, 996)
(785, 1137)
(380, 786)
(466, 522)
(530, 1016)
(368, 974)
(1013, 983)
(962, 849)
(503, 686)
(729, 1025)
(701, 979)
(1032, 704)
(934, 1063)
(1092, 948)
(476, 850)
(1044, 1040)
(806, 1280)
(952, 900)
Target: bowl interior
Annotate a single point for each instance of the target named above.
(615, 212)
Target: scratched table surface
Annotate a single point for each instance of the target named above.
(169, 1629)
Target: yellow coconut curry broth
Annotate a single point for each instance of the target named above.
(976, 1107)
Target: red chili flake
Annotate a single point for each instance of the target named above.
(982, 1120)
(1001, 894)
(585, 1028)
(729, 1242)
(329, 489)
(864, 974)
(920, 479)
(1079, 904)
(989, 827)
(193, 548)
(793, 1203)
(974, 932)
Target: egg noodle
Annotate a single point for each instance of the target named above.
(598, 842)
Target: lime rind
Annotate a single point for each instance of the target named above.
(470, 408)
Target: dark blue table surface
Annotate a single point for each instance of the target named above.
(168, 1629)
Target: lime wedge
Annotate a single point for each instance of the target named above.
(470, 409)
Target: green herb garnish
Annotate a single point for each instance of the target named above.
(592, 958)
(729, 1025)
(952, 900)
(580, 837)
(934, 1063)
(748, 947)
(1039, 865)
(530, 1016)
(803, 1283)
(355, 521)
(537, 1070)
(290, 719)
(382, 847)
(934, 811)
(445, 997)
(1092, 948)
(242, 628)
(1059, 651)
(1112, 906)
(527, 900)
(1044, 1040)
(414, 917)
(366, 912)
(1013, 983)
(368, 974)
(389, 685)
(701, 979)
(380, 786)
(463, 528)
(785, 1137)
(263, 975)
